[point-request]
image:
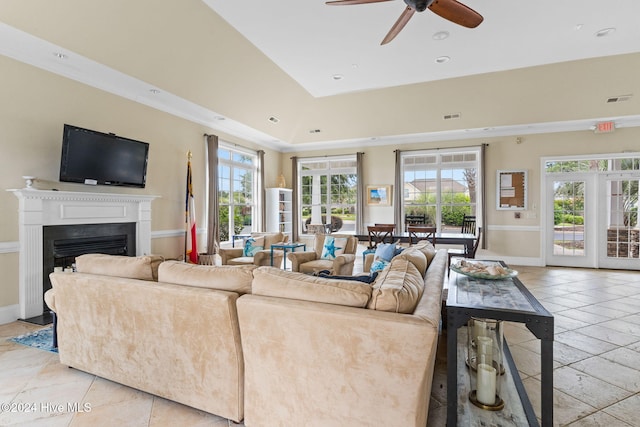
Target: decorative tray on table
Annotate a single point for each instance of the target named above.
(490, 270)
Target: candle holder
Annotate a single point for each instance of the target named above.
(484, 359)
(29, 181)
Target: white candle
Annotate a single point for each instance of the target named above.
(480, 328)
(485, 350)
(486, 392)
(57, 269)
(68, 270)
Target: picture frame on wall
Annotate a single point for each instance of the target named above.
(379, 195)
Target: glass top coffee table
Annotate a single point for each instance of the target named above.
(505, 299)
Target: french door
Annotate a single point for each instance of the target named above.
(571, 221)
(592, 220)
(618, 233)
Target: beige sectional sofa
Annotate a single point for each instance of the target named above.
(268, 346)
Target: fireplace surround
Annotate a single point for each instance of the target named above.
(41, 208)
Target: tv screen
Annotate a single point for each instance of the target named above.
(97, 158)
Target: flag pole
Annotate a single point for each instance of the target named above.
(186, 209)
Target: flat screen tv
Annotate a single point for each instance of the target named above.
(97, 158)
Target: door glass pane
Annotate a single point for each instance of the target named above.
(568, 218)
(623, 235)
(456, 188)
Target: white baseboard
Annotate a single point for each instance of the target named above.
(9, 313)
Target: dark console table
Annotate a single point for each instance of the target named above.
(507, 300)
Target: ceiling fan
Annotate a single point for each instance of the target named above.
(451, 10)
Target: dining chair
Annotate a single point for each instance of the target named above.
(421, 232)
(461, 253)
(468, 224)
(414, 220)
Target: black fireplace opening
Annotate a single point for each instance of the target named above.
(61, 244)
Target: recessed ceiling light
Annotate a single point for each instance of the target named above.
(442, 59)
(219, 118)
(441, 35)
(59, 55)
(337, 77)
(605, 32)
(578, 27)
(274, 119)
(154, 91)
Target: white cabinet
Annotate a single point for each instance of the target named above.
(279, 209)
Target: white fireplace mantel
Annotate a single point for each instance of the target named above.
(38, 208)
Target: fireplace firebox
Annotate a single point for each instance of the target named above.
(61, 244)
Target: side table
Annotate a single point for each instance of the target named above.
(506, 299)
(286, 247)
(238, 237)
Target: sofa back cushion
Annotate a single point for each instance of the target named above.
(273, 282)
(398, 288)
(427, 248)
(139, 267)
(234, 278)
(417, 258)
(272, 238)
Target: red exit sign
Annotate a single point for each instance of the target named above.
(605, 127)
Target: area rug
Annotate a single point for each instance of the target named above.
(41, 339)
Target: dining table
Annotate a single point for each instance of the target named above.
(446, 238)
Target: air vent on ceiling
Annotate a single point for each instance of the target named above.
(314, 131)
(619, 98)
(451, 116)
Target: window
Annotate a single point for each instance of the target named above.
(442, 184)
(329, 184)
(237, 189)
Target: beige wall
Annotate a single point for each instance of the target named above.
(35, 105)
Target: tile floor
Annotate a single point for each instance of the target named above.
(596, 377)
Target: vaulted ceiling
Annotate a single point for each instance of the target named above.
(298, 75)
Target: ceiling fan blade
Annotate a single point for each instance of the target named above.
(399, 25)
(456, 12)
(348, 2)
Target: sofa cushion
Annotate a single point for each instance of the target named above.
(273, 282)
(234, 278)
(272, 238)
(139, 267)
(427, 248)
(252, 245)
(397, 288)
(417, 258)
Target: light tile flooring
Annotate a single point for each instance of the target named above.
(596, 377)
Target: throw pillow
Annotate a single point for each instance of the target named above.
(252, 245)
(385, 251)
(378, 265)
(333, 247)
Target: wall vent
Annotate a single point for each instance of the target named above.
(451, 116)
(620, 98)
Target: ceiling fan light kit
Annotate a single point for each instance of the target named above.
(450, 10)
